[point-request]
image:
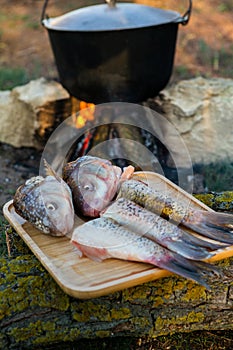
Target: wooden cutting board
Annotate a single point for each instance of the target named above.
(83, 278)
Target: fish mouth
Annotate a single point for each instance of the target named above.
(63, 228)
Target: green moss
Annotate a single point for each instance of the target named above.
(141, 322)
(138, 292)
(224, 263)
(70, 334)
(224, 200)
(195, 317)
(23, 264)
(168, 288)
(86, 311)
(196, 292)
(59, 335)
(44, 332)
(158, 300)
(36, 289)
(103, 334)
(22, 334)
(120, 313)
(207, 199)
(217, 201)
(48, 326)
(92, 311)
(161, 323)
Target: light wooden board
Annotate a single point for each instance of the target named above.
(83, 278)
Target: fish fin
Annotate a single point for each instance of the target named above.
(49, 170)
(188, 250)
(78, 252)
(68, 168)
(194, 270)
(202, 241)
(93, 257)
(93, 253)
(217, 226)
(192, 247)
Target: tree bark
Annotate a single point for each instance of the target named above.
(222, 201)
(35, 312)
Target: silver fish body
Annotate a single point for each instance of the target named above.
(47, 204)
(102, 238)
(95, 182)
(152, 226)
(217, 226)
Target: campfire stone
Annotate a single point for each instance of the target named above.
(200, 109)
(22, 110)
(202, 112)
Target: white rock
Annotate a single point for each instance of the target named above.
(202, 112)
(20, 107)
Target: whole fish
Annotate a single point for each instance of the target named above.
(46, 202)
(94, 183)
(152, 226)
(102, 238)
(217, 226)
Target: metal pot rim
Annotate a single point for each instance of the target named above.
(113, 18)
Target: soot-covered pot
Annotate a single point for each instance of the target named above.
(114, 52)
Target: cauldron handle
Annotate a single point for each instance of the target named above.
(43, 15)
(185, 19)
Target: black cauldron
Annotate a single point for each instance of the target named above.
(114, 52)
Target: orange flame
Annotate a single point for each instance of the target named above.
(86, 113)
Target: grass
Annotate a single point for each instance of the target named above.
(216, 61)
(225, 6)
(15, 18)
(218, 176)
(11, 77)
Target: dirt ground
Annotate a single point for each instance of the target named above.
(204, 47)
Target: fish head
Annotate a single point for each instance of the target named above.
(94, 183)
(47, 204)
(56, 198)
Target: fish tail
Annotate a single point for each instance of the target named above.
(192, 247)
(202, 242)
(194, 270)
(217, 226)
(188, 250)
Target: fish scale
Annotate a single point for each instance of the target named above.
(217, 226)
(103, 238)
(152, 226)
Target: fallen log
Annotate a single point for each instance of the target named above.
(35, 313)
(222, 201)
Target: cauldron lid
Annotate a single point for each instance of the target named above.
(105, 18)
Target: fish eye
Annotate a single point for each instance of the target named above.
(51, 206)
(88, 187)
